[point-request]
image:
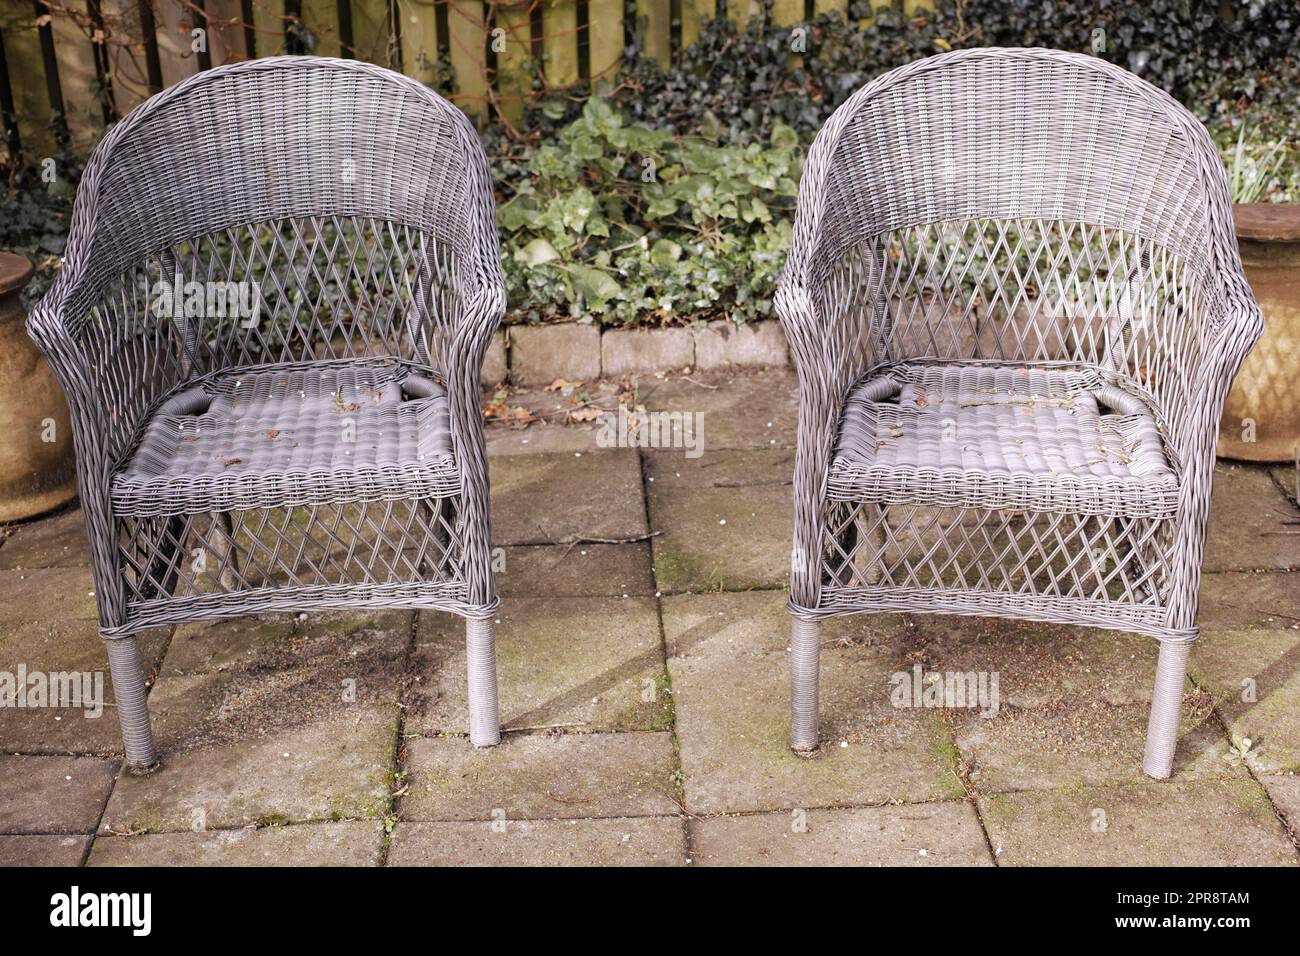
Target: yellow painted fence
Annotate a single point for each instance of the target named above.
(68, 68)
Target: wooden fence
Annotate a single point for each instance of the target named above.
(70, 67)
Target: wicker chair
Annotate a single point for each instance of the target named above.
(1016, 304)
(281, 279)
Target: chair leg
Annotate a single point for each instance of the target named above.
(805, 657)
(480, 646)
(1166, 707)
(132, 705)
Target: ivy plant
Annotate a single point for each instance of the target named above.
(621, 224)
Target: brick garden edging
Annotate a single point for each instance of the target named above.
(538, 354)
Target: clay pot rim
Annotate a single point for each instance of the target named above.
(15, 271)
(1267, 221)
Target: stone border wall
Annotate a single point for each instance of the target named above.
(539, 354)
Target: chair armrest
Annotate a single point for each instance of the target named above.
(482, 308)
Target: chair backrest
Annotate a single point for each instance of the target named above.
(276, 139)
(1017, 134)
(1019, 204)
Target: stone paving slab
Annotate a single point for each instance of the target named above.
(548, 426)
(53, 794)
(53, 647)
(584, 570)
(1210, 821)
(58, 541)
(554, 498)
(47, 594)
(237, 643)
(740, 408)
(1284, 791)
(925, 834)
(328, 770)
(540, 776)
(1089, 744)
(724, 519)
(538, 438)
(233, 681)
(350, 843)
(730, 676)
(1246, 514)
(584, 664)
(644, 841)
(267, 720)
(1250, 645)
(43, 850)
(1039, 664)
(1287, 479)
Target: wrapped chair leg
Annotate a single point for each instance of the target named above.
(132, 702)
(805, 657)
(1166, 707)
(480, 645)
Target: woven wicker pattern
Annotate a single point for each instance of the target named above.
(1001, 437)
(306, 435)
(280, 282)
(1015, 304)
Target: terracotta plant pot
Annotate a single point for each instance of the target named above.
(1261, 418)
(37, 467)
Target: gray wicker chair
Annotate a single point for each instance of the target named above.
(1016, 304)
(281, 279)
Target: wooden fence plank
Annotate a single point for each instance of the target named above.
(178, 60)
(126, 54)
(321, 17)
(560, 43)
(654, 23)
(370, 31)
(226, 31)
(513, 81)
(838, 6)
(420, 39)
(694, 15)
(81, 93)
(268, 27)
(606, 28)
(787, 13)
(468, 55)
(27, 79)
(742, 10)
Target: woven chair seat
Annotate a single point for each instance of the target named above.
(288, 437)
(999, 437)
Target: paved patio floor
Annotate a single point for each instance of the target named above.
(643, 668)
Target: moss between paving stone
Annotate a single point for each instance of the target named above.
(945, 752)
